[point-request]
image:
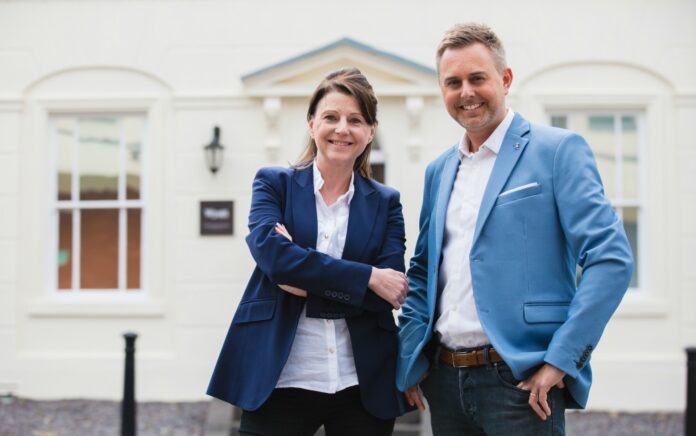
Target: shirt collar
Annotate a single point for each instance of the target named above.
(319, 182)
(494, 142)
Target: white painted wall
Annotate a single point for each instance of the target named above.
(181, 62)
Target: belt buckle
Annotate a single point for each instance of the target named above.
(466, 353)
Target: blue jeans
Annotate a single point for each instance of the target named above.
(484, 400)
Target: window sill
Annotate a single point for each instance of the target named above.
(637, 304)
(110, 307)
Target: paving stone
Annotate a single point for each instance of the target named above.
(23, 417)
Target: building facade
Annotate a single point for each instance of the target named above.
(106, 106)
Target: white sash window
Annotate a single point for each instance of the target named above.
(616, 139)
(98, 205)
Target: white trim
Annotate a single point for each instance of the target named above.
(618, 156)
(99, 204)
(570, 101)
(122, 212)
(53, 215)
(639, 303)
(146, 145)
(103, 304)
(383, 90)
(642, 217)
(102, 104)
(11, 105)
(76, 216)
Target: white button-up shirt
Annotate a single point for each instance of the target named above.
(321, 358)
(458, 323)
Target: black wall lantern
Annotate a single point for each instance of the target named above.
(213, 152)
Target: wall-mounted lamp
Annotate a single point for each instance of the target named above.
(213, 152)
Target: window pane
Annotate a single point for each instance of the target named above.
(133, 136)
(629, 149)
(65, 139)
(559, 121)
(601, 122)
(598, 130)
(65, 223)
(630, 219)
(133, 261)
(99, 249)
(99, 158)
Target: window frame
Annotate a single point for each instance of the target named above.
(75, 205)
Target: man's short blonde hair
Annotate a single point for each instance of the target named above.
(466, 34)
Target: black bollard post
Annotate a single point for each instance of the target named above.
(128, 404)
(690, 415)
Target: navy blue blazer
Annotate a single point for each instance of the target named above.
(263, 328)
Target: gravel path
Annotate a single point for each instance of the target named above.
(20, 417)
(624, 424)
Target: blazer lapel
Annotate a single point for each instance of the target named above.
(363, 211)
(449, 173)
(510, 151)
(304, 210)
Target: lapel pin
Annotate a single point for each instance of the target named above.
(517, 146)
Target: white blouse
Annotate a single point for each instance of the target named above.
(321, 358)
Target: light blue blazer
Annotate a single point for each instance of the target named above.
(523, 260)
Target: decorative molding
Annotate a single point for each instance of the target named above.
(414, 110)
(109, 307)
(271, 110)
(11, 104)
(382, 89)
(120, 103)
(205, 101)
(686, 98)
(391, 75)
(636, 304)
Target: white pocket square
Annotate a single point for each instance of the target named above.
(519, 188)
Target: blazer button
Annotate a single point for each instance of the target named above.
(346, 297)
(327, 293)
(334, 293)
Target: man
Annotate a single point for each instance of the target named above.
(494, 329)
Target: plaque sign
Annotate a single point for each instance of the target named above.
(217, 217)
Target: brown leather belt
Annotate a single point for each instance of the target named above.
(469, 358)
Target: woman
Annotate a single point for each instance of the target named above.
(313, 341)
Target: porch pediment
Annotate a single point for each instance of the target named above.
(390, 74)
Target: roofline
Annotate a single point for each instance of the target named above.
(342, 42)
